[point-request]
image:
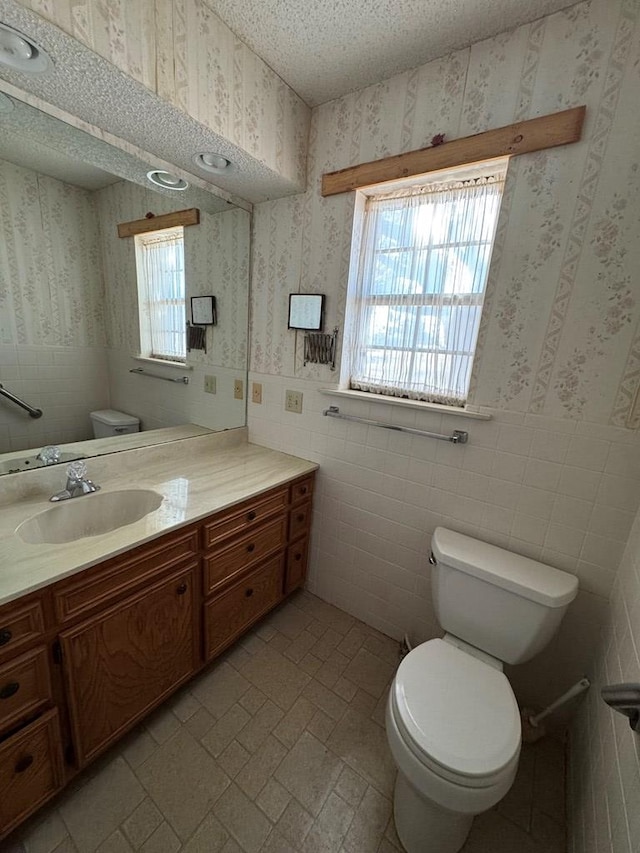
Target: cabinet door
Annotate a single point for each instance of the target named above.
(120, 664)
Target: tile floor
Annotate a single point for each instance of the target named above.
(279, 748)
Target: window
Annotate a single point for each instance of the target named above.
(416, 296)
(161, 294)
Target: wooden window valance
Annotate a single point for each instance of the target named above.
(190, 216)
(521, 138)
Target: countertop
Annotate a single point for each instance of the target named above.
(195, 476)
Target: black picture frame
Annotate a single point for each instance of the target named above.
(203, 311)
(306, 311)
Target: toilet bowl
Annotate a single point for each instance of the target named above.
(452, 720)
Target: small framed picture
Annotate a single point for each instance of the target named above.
(203, 311)
(306, 311)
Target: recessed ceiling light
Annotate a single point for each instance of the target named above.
(166, 180)
(212, 162)
(19, 53)
(6, 104)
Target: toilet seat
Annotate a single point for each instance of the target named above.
(456, 714)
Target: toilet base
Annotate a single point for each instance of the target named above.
(424, 827)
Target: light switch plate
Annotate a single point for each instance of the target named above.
(293, 402)
(210, 384)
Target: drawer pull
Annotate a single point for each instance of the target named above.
(23, 763)
(303, 490)
(9, 689)
(298, 557)
(248, 592)
(251, 547)
(182, 589)
(251, 515)
(5, 636)
(300, 517)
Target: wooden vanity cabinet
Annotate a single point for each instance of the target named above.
(94, 653)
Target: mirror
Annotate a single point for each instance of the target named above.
(69, 329)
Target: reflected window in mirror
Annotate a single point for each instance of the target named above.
(161, 294)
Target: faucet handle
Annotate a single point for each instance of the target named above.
(77, 470)
(49, 454)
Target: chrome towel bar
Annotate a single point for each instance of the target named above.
(184, 380)
(33, 412)
(458, 436)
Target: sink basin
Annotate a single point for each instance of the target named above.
(89, 515)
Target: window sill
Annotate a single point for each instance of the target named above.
(410, 404)
(161, 362)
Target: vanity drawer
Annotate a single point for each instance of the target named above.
(30, 770)
(299, 520)
(296, 565)
(244, 516)
(221, 566)
(229, 614)
(98, 587)
(302, 490)
(25, 685)
(20, 625)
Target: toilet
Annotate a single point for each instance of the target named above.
(110, 422)
(452, 720)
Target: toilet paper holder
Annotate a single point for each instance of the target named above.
(624, 698)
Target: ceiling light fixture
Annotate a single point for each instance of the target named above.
(212, 162)
(20, 53)
(166, 180)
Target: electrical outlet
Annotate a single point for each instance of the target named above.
(238, 389)
(293, 401)
(256, 392)
(210, 384)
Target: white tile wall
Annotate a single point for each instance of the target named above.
(518, 483)
(65, 382)
(604, 771)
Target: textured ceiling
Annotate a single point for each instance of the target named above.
(325, 48)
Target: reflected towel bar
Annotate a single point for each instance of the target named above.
(184, 380)
(458, 436)
(33, 413)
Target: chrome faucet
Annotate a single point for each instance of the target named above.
(77, 483)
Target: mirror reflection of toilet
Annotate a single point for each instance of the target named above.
(452, 719)
(109, 422)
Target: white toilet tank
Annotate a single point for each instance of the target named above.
(504, 604)
(109, 422)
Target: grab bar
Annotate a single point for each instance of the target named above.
(458, 436)
(33, 413)
(183, 379)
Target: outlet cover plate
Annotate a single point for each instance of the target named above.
(256, 392)
(293, 402)
(238, 389)
(210, 384)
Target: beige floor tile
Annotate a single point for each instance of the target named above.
(219, 688)
(516, 805)
(115, 843)
(387, 847)
(353, 641)
(547, 833)
(344, 688)
(330, 827)
(295, 823)
(332, 669)
(260, 767)
(391, 835)
(92, 813)
(289, 620)
(218, 738)
(260, 726)
(369, 672)
(201, 723)
(321, 725)
(351, 787)
(252, 700)
(162, 724)
(276, 676)
(363, 702)
(279, 643)
(491, 833)
(309, 772)
(327, 643)
(184, 781)
(185, 705)
(142, 822)
(265, 631)
(233, 759)
(362, 744)
(209, 837)
(163, 840)
(316, 628)
(310, 664)
(295, 722)
(252, 644)
(548, 778)
(298, 648)
(325, 699)
(277, 843)
(242, 819)
(367, 828)
(383, 647)
(67, 846)
(137, 747)
(232, 847)
(273, 800)
(44, 834)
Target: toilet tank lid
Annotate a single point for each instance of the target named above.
(521, 575)
(111, 417)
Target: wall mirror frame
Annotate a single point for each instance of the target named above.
(69, 333)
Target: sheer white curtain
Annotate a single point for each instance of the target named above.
(422, 271)
(161, 291)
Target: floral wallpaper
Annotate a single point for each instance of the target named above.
(181, 51)
(560, 334)
(51, 289)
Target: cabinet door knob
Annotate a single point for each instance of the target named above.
(251, 547)
(23, 763)
(251, 515)
(248, 592)
(5, 636)
(182, 589)
(303, 490)
(300, 517)
(9, 690)
(298, 556)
